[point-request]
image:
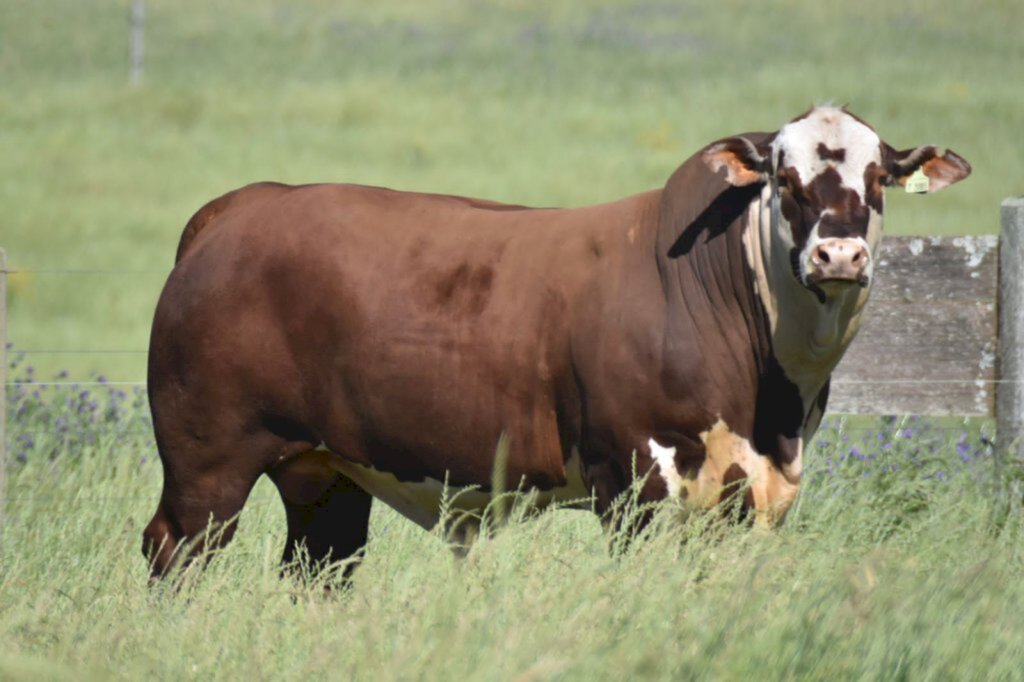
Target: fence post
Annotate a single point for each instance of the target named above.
(1010, 389)
(3, 391)
(136, 38)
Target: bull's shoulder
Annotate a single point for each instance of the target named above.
(202, 218)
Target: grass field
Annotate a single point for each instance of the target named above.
(902, 559)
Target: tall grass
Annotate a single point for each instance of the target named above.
(899, 561)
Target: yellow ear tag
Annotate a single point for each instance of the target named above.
(917, 183)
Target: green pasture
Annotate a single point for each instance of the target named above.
(903, 557)
(537, 102)
(900, 561)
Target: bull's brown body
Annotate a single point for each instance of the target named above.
(348, 340)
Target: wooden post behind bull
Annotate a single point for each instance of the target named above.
(3, 393)
(1010, 392)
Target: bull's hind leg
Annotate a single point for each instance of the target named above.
(205, 486)
(328, 514)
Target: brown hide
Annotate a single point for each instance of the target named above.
(408, 331)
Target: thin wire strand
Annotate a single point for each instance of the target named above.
(80, 271)
(872, 382)
(76, 383)
(149, 432)
(57, 351)
(838, 382)
(64, 499)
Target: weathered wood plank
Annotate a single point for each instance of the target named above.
(913, 269)
(928, 342)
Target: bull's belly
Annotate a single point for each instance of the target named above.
(425, 501)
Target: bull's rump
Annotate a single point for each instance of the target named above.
(404, 331)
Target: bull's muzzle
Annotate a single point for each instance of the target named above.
(839, 261)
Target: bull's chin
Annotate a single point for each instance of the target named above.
(826, 288)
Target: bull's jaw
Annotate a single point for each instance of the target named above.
(837, 320)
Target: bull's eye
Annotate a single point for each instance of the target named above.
(793, 189)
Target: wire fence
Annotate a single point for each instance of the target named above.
(978, 382)
(145, 430)
(883, 382)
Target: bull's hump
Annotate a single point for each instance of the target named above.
(386, 197)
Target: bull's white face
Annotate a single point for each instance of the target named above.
(827, 182)
(827, 171)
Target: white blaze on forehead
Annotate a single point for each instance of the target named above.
(798, 142)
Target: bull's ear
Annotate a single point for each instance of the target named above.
(940, 170)
(743, 162)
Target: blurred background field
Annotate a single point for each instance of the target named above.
(902, 558)
(546, 103)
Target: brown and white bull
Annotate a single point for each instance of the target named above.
(354, 342)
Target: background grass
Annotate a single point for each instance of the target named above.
(901, 560)
(547, 103)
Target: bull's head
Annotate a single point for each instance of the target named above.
(827, 171)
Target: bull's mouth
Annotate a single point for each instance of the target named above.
(838, 282)
(825, 288)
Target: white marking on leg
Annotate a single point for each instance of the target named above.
(666, 459)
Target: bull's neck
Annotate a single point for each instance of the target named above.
(712, 304)
(808, 336)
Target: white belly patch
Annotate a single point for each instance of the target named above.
(423, 501)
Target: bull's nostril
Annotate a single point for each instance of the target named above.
(856, 257)
(823, 255)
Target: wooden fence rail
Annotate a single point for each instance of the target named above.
(928, 342)
(943, 331)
